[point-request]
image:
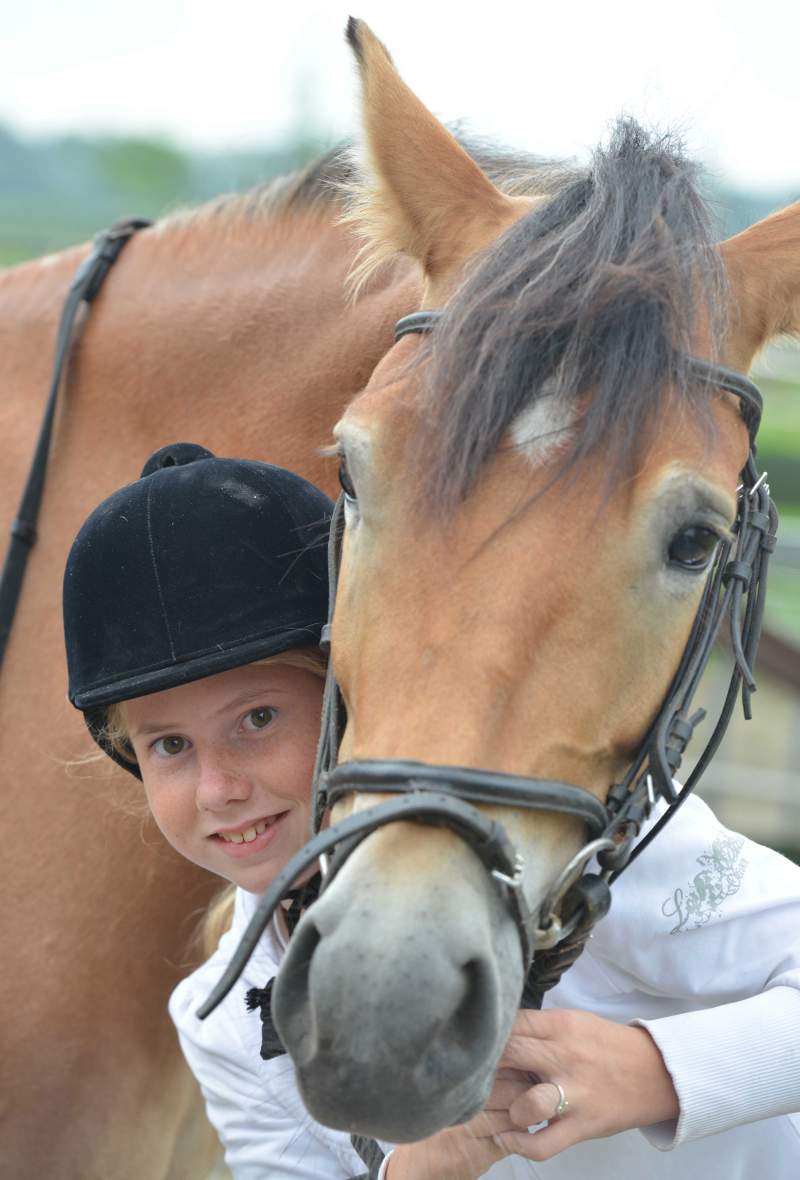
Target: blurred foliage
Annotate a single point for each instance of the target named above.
(143, 168)
(56, 192)
(779, 438)
(780, 428)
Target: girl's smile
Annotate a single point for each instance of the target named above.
(226, 763)
(252, 839)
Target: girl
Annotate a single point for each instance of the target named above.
(193, 603)
(194, 599)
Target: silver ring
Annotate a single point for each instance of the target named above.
(563, 1102)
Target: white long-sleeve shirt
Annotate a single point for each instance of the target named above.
(701, 946)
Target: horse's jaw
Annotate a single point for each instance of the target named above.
(396, 997)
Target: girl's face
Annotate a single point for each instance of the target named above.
(226, 764)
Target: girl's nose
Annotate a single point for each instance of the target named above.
(220, 784)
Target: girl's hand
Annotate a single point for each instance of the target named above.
(468, 1151)
(612, 1075)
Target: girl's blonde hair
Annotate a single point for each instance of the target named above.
(218, 915)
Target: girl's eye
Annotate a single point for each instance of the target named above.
(173, 744)
(692, 548)
(259, 718)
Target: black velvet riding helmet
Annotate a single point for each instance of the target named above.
(201, 565)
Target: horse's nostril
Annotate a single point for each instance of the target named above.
(474, 1024)
(469, 1032)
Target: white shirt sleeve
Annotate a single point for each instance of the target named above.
(730, 1065)
(712, 920)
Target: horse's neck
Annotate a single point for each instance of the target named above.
(241, 338)
(239, 335)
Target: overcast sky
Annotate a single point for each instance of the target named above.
(547, 77)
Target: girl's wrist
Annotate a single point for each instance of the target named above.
(657, 1090)
(395, 1166)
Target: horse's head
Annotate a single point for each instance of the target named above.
(534, 495)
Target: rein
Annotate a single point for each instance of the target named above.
(84, 287)
(553, 938)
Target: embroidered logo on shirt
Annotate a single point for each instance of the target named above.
(722, 871)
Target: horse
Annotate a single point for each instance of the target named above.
(231, 326)
(236, 326)
(537, 482)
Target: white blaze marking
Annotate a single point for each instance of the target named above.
(543, 428)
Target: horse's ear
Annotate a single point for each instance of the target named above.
(423, 195)
(763, 268)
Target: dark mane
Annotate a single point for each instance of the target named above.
(599, 289)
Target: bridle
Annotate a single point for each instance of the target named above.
(553, 938)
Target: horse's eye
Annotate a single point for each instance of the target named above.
(692, 548)
(345, 480)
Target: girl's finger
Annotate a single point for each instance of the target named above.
(532, 1022)
(530, 1055)
(540, 1145)
(538, 1104)
(508, 1074)
(505, 1092)
(490, 1123)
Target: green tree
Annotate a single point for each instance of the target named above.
(149, 171)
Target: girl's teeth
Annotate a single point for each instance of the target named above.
(249, 835)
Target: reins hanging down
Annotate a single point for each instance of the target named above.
(553, 938)
(84, 288)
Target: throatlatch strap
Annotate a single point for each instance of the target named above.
(84, 287)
